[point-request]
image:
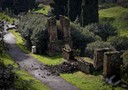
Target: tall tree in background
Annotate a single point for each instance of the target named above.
(74, 9)
(59, 7)
(89, 12)
(86, 10)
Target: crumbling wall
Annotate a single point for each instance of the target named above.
(112, 63)
(67, 53)
(99, 57)
(85, 66)
(54, 44)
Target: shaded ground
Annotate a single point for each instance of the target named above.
(35, 68)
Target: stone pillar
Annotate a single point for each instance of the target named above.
(65, 29)
(52, 29)
(112, 63)
(53, 36)
(99, 56)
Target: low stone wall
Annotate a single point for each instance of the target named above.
(85, 66)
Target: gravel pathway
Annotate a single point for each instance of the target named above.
(36, 68)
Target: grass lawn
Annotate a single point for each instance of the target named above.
(23, 75)
(43, 9)
(87, 82)
(115, 15)
(44, 59)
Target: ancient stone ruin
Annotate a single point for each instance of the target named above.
(67, 52)
(55, 42)
(111, 66)
(99, 57)
(107, 59)
(85, 65)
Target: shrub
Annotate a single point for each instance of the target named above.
(89, 51)
(119, 42)
(125, 66)
(104, 30)
(33, 29)
(81, 37)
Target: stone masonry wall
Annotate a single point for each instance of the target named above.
(99, 56)
(112, 63)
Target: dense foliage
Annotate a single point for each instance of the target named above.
(81, 37)
(33, 29)
(104, 30)
(89, 51)
(119, 42)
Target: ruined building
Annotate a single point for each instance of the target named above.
(58, 37)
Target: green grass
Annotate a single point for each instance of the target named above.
(4, 16)
(56, 60)
(88, 82)
(114, 15)
(43, 9)
(23, 75)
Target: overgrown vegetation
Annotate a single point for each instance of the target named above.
(33, 30)
(119, 42)
(125, 67)
(104, 30)
(81, 37)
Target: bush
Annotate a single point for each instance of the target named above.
(81, 37)
(33, 29)
(125, 66)
(119, 42)
(89, 51)
(104, 30)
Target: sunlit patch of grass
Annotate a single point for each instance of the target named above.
(56, 60)
(43, 9)
(88, 82)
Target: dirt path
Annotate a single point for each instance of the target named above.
(36, 68)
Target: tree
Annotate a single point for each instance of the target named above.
(119, 42)
(74, 9)
(89, 12)
(103, 30)
(81, 37)
(59, 7)
(33, 29)
(86, 10)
